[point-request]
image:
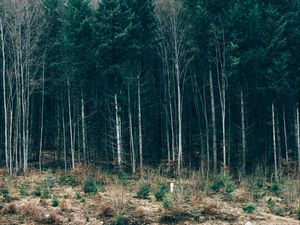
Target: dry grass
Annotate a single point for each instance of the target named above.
(189, 202)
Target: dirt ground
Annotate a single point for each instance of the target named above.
(118, 204)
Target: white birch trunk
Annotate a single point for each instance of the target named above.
(132, 150)
(71, 126)
(244, 143)
(285, 136)
(42, 117)
(140, 126)
(83, 127)
(4, 95)
(118, 131)
(213, 116)
(298, 136)
(274, 142)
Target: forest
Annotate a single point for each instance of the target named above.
(131, 86)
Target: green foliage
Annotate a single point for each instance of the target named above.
(37, 192)
(275, 188)
(120, 220)
(123, 178)
(161, 191)
(90, 186)
(224, 184)
(217, 184)
(258, 190)
(67, 180)
(45, 193)
(49, 182)
(78, 196)
(249, 207)
(297, 211)
(166, 203)
(5, 194)
(144, 191)
(23, 191)
(1, 206)
(55, 202)
(275, 209)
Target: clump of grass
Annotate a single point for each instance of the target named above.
(67, 180)
(161, 191)
(90, 186)
(55, 202)
(144, 191)
(249, 207)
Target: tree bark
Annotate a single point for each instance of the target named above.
(274, 142)
(83, 127)
(244, 143)
(213, 117)
(71, 126)
(140, 126)
(118, 131)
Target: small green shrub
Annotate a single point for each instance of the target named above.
(297, 211)
(1, 206)
(45, 193)
(217, 184)
(120, 220)
(161, 191)
(144, 191)
(278, 211)
(49, 182)
(275, 188)
(90, 186)
(258, 190)
(67, 180)
(166, 203)
(123, 178)
(55, 202)
(23, 191)
(249, 207)
(5, 194)
(4, 191)
(78, 196)
(37, 192)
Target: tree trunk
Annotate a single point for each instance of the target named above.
(42, 117)
(83, 127)
(71, 126)
(132, 150)
(118, 132)
(4, 95)
(274, 142)
(140, 126)
(244, 143)
(297, 125)
(213, 116)
(285, 136)
(64, 132)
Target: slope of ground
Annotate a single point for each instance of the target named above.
(57, 198)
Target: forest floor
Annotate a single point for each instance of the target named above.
(53, 197)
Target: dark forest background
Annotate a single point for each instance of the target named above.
(193, 84)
